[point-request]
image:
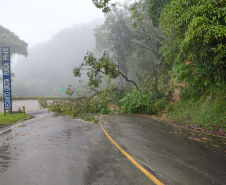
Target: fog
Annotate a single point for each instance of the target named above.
(58, 33)
(36, 21)
(49, 64)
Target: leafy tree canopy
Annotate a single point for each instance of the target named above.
(115, 36)
(103, 4)
(135, 49)
(10, 39)
(195, 42)
(141, 10)
(147, 9)
(99, 67)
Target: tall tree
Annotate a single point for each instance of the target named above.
(152, 8)
(115, 36)
(129, 45)
(133, 41)
(10, 39)
(103, 4)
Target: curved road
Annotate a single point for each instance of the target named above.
(58, 150)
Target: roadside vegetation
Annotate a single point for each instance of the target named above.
(11, 119)
(206, 112)
(143, 54)
(42, 102)
(86, 107)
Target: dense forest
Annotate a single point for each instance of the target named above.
(164, 51)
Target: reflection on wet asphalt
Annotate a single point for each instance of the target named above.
(168, 151)
(59, 150)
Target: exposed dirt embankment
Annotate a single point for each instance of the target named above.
(176, 93)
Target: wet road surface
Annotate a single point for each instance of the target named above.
(58, 150)
(169, 152)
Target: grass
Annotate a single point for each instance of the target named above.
(11, 119)
(204, 113)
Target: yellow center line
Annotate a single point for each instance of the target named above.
(149, 175)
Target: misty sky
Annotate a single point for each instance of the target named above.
(35, 21)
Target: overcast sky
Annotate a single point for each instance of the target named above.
(36, 21)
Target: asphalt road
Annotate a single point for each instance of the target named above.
(57, 150)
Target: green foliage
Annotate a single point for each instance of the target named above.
(42, 102)
(147, 9)
(20, 110)
(158, 80)
(103, 4)
(118, 95)
(136, 102)
(207, 112)
(195, 43)
(17, 46)
(115, 36)
(85, 107)
(10, 39)
(69, 91)
(134, 48)
(55, 107)
(89, 119)
(100, 103)
(161, 104)
(11, 119)
(97, 67)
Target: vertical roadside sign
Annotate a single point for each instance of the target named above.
(6, 79)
